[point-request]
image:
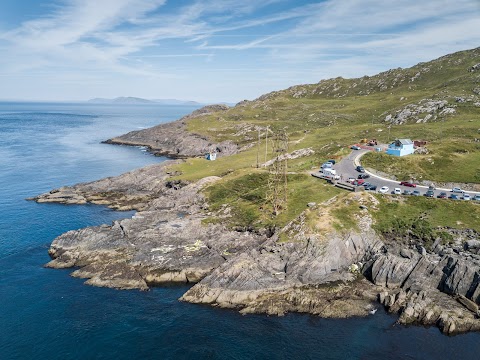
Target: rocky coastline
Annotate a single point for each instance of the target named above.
(329, 273)
(310, 265)
(175, 141)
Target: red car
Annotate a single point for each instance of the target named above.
(358, 182)
(409, 184)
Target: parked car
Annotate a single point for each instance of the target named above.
(363, 176)
(360, 169)
(397, 191)
(442, 195)
(371, 187)
(351, 180)
(333, 162)
(457, 190)
(416, 193)
(326, 165)
(430, 193)
(355, 147)
(407, 183)
(383, 190)
(454, 197)
(476, 197)
(407, 192)
(358, 182)
(366, 184)
(466, 197)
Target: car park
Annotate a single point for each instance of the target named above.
(363, 176)
(430, 193)
(454, 197)
(360, 169)
(371, 187)
(457, 190)
(476, 197)
(407, 183)
(416, 193)
(397, 191)
(442, 195)
(383, 190)
(466, 197)
(355, 147)
(407, 192)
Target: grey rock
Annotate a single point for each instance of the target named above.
(173, 139)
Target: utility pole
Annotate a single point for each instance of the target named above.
(266, 144)
(258, 147)
(277, 182)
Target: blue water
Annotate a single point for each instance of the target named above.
(46, 314)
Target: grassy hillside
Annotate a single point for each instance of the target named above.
(438, 101)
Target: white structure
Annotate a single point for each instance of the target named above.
(211, 156)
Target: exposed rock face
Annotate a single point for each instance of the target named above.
(425, 110)
(165, 243)
(419, 286)
(173, 139)
(132, 190)
(300, 268)
(304, 274)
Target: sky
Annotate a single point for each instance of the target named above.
(216, 50)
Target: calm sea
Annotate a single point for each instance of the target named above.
(46, 314)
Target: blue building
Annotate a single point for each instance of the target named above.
(400, 147)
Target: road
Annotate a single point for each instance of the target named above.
(347, 168)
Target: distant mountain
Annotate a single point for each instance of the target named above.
(175, 102)
(136, 100)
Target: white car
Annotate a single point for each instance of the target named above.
(457, 190)
(467, 197)
(383, 190)
(397, 191)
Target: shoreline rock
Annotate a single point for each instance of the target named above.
(320, 271)
(330, 274)
(175, 141)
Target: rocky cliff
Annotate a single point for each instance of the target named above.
(318, 270)
(328, 259)
(173, 140)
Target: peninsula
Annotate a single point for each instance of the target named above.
(254, 231)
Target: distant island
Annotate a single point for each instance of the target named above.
(139, 101)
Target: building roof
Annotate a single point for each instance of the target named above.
(405, 141)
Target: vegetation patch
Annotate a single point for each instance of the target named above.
(417, 219)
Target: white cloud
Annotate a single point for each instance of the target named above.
(144, 40)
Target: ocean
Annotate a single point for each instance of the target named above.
(46, 314)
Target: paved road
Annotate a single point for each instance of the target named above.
(346, 169)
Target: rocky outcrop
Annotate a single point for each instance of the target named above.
(431, 288)
(308, 273)
(422, 112)
(165, 243)
(174, 140)
(130, 191)
(311, 265)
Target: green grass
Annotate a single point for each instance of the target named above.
(436, 212)
(330, 116)
(250, 207)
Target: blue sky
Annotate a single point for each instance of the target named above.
(216, 50)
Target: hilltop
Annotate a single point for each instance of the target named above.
(325, 251)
